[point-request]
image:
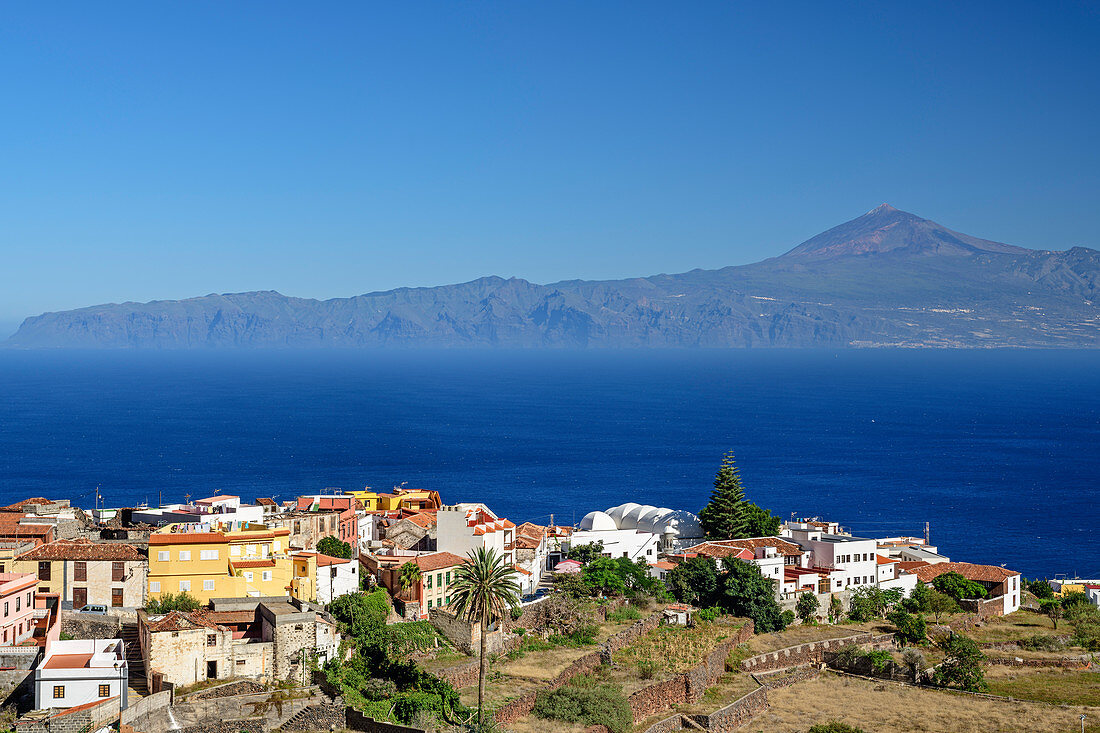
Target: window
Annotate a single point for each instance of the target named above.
(6, 608)
(58, 692)
(185, 585)
(235, 551)
(448, 600)
(208, 585)
(104, 690)
(211, 639)
(116, 597)
(240, 662)
(29, 603)
(185, 555)
(429, 581)
(162, 555)
(649, 551)
(250, 550)
(80, 571)
(208, 554)
(118, 571)
(266, 575)
(154, 586)
(18, 603)
(439, 579)
(448, 576)
(44, 570)
(248, 576)
(429, 603)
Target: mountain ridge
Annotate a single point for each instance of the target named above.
(885, 278)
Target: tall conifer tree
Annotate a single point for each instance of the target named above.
(723, 518)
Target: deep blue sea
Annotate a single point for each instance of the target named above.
(998, 450)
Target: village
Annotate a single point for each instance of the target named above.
(217, 616)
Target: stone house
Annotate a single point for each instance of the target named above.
(83, 572)
(413, 532)
(307, 528)
(267, 639)
(1001, 584)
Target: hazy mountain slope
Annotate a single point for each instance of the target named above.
(885, 278)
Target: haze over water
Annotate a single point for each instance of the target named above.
(996, 449)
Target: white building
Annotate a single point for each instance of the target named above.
(211, 511)
(462, 528)
(851, 561)
(638, 531)
(336, 577)
(778, 560)
(81, 671)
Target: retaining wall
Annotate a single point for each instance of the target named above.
(812, 652)
(148, 714)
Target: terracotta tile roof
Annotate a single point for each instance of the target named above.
(664, 565)
(10, 527)
(179, 621)
(425, 519)
(910, 566)
(880, 560)
(970, 571)
(252, 563)
(437, 561)
(517, 568)
(529, 536)
(782, 546)
(216, 499)
(83, 549)
(21, 505)
(266, 502)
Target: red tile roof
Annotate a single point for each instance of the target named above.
(880, 560)
(21, 505)
(252, 563)
(425, 519)
(323, 561)
(437, 561)
(266, 502)
(83, 549)
(970, 571)
(68, 661)
(179, 621)
(910, 566)
(782, 546)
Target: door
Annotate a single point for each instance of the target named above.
(80, 597)
(212, 670)
(116, 597)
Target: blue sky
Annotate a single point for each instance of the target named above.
(165, 151)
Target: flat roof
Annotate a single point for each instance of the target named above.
(68, 661)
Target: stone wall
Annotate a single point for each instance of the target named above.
(358, 721)
(736, 714)
(522, 706)
(90, 626)
(462, 675)
(148, 714)
(317, 717)
(17, 688)
(658, 696)
(1064, 662)
(463, 635)
(984, 608)
(266, 708)
(785, 677)
(812, 653)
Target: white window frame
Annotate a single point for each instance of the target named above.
(208, 554)
(234, 550)
(208, 585)
(185, 586)
(265, 575)
(185, 555)
(247, 576)
(163, 555)
(154, 586)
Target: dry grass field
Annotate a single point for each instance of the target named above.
(1052, 685)
(1018, 625)
(795, 635)
(891, 708)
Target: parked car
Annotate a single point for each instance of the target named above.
(96, 608)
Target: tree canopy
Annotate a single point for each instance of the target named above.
(958, 587)
(334, 547)
(586, 553)
(723, 518)
(737, 587)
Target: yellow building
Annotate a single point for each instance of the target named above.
(250, 561)
(413, 499)
(303, 584)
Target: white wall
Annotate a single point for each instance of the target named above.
(629, 543)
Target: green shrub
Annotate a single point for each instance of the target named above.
(911, 629)
(624, 614)
(584, 636)
(708, 614)
(962, 664)
(647, 669)
(787, 618)
(587, 700)
(1042, 643)
(182, 601)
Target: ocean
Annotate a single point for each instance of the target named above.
(999, 451)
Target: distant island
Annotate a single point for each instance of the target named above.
(885, 279)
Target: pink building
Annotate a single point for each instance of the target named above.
(17, 591)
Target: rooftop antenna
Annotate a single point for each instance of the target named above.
(187, 498)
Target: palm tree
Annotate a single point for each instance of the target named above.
(484, 590)
(409, 576)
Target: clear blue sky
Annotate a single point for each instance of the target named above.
(163, 151)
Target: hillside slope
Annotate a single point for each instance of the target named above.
(885, 278)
